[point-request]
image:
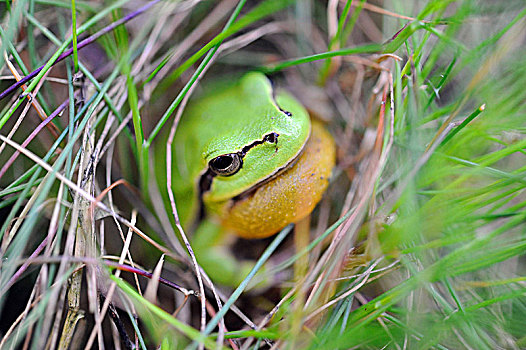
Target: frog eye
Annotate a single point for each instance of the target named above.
(226, 165)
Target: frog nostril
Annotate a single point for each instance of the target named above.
(287, 113)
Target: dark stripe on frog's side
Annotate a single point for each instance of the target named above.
(205, 181)
(277, 173)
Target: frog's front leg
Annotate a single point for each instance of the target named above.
(212, 247)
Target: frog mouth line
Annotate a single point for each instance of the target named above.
(206, 179)
(209, 175)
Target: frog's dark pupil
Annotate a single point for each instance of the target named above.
(222, 162)
(226, 165)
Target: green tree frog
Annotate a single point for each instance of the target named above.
(249, 157)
